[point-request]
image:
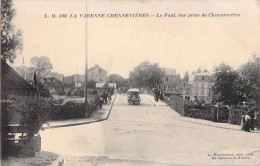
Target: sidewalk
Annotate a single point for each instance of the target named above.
(96, 116)
(177, 116)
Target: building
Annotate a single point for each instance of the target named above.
(13, 83)
(201, 86)
(95, 73)
(28, 73)
(169, 80)
(185, 90)
(54, 82)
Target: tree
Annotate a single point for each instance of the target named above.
(11, 39)
(119, 80)
(205, 70)
(146, 75)
(250, 73)
(186, 77)
(198, 70)
(91, 84)
(226, 86)
(41, 63)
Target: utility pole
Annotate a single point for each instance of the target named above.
(86, 69)
(77, 78)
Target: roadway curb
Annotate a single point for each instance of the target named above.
(87, 122)
(203, 124)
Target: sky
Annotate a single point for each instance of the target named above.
(119, 44)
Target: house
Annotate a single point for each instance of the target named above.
(201, 86)
(184, 89)
(14, 83)
(169, 80)
(95, 73)
(28, 73)
(54, 82)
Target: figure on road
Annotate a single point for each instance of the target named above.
(109, 95)
(156, 95)
(105, 96)
(161, 95)
(246, 122)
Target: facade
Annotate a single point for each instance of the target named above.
(28, 73)
(54, 82)
(170, 80)
(97, 74)
(201, 86)
(13, 83)
(185, 90)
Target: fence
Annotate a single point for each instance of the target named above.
(217, 114)
(212, 113)
(237, 112)
(235, 115)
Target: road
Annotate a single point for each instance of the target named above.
(150, 135)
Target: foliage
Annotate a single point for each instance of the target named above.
(11, 39)
(41, 63)
(119, 80)
(74, 108)
(226, 86)
(43, 90)
(146, 75)
(78, 92)
(198, 70)
(250, 73)
(186, 77)
(91, 84)
(29, 111)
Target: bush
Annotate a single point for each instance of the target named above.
(29, 111)
(73, 109)
(68, 111)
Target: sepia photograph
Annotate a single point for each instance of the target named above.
(130, 82)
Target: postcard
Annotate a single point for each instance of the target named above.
(130, 82)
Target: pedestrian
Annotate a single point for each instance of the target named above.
(105, 96)
(252, 113)
(246, 122)
(156, 95)
(109, 94)
(101, 100)
(161, 95)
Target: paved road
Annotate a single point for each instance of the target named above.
(149, 135)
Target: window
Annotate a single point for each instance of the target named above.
(99, 70)
(166, 79)
(202, 84)
(196, 92)
(202, 77)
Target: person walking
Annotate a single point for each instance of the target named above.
(101, 100)
(246, 122)
(161, 95)
(105, 96)
(109, 94)
(156, 95)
